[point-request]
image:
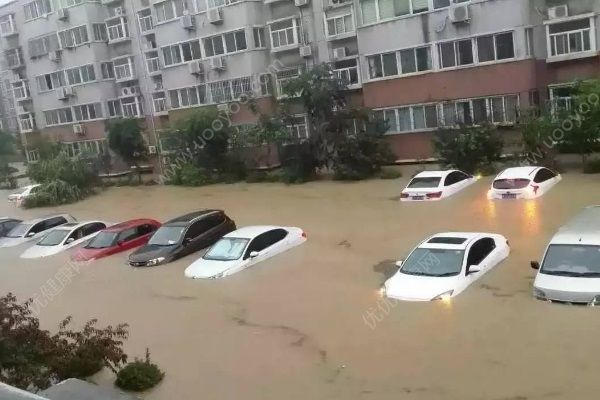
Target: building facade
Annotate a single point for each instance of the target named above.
(72, 65)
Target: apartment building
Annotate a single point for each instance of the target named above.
(72, 65)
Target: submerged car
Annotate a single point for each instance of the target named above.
(7, 224)
(243, 248)
(116, 239)
(28, 231)
(23, 193)
(523, 183)
(570, 270)
(436, 185)
(63, 238)
(446, 264)
(182, 236)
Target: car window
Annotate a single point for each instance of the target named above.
(196, 229)
(543, 175)
(454, 177)
(92, 228)
(265, 240)
(34, 189)
(39, 227)
(127, 234)
(424, 182)
(8, 225)
(480, 250)
(145, 229)
(215, 220)
(56, 221)
(77, 233)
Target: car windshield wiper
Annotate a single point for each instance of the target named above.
(446, 274)
(566, 273)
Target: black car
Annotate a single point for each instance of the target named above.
(6, 224)
(182, 236)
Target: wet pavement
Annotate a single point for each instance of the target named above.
(309, 324)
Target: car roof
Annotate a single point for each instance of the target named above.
(582, 229)
(518, 172)
(467, 236)
(434, 174)
(40, 219)
(130, 224)
(253, 231)
(188, 218)
(75, 225)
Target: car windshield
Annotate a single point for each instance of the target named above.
(227, 249)
(167, 235)
(572, 260)
(433, 262)
(102, 240)
(418, 183)
(18, 231)
(54, 237)
(507, 184)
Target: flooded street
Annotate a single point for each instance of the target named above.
(297, 326)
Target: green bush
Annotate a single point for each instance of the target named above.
(390, 174)
(262, 176)
(592, 166)
(470, 149)
(139, 375)
(360, 157)
(187, 174)
(298, 163)
(73, 171)
(54, 193)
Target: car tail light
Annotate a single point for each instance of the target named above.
(434, 195)
(304, 235)
(404, 195)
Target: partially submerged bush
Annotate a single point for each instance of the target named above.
(139, 375)
(390, 174)
(592, 166)
(361, 157)
(54, 193)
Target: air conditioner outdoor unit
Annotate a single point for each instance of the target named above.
(68, 91)
(129, 91)
(188, 22)
(300, 3)
(119, 11)
(305, 51)
(196, 68)
(54, 56)
(339, 52)
(78, 129)
(151, 149)
(217, 63)
(215, 15)
(558, 12)
(63, 14)
(459, 13)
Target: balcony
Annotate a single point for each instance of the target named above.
(8, 26)
(14, 58)
(159, 103)
(153, 65)
(124, 69)
(146, 22)
(118, 31)
(26, 123)
(349, 75)
(571, 38)
(21, 91)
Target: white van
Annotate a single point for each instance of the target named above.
(570, 270)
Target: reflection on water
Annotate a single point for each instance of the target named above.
(302, 310)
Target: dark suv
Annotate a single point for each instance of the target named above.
(182, 236)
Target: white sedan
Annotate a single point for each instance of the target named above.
(523, 183)
(444, 265)
(23, 193)
(35, 229)
(243, 248)
(436, 185)
(64, 237)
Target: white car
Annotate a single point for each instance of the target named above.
(444, 265)
(35, 229)
(243, 248)
(23, 193)
(436, 185)
(523, 183)
(64, 237)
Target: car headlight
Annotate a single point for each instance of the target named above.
(595, 302)
(539, 294)
(217, 276)
(444, 296)
(155, 261)
(382, 291)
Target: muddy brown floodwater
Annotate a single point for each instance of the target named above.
(294, 327)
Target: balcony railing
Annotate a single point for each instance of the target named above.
(118, 32)
(21, 91)
(124, 72)
(14, 58)
(160, 105)
(26, 123)
(8, 27)
(153, 65)
(348, 76)
(146, 23)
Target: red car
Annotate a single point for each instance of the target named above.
(116, 238)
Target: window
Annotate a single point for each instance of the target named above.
(377, 10)
(159, 102)
(58, 116)
(51, 81)
(170, 9)
(214, 46)
(117, 29)
(114, 108)
(123, 68)
(70, 3)
(410, 118)
(561, 99)
(107, 70)
(570, 37)
(37, 8)
(74, 37)
(497, 110)
(479, 251)
(495, 47)
(152, 62)
(382, 65)
(489, 48)
(43, 45)
(87, 112)
(259, 37)
(529, 46)
(131, 107)
(283, 77)
(145, 20)
(221, 92)
(7, 24)
(339, 25)
(347, 72)
(456, 53)
(455, 177)
(284, 33)
(235, 41)
(297, 127)
(82, 74)
(398, 63)
(100, 34)
(544, 175)
(182, 52)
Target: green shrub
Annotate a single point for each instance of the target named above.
(390, 174)
(139, 375)
(360, 157)
(73, 171)
(592, 166)
(54, 193)
(262, 176)
(298, 163)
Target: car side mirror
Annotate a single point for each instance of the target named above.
(253, 254)
(535, 265)
(186, 241)
(399, 263)
(30, 234)
(70, 240)
(473, 269)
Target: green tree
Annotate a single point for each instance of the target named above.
(8, 149)
(540, 141)
(125, 139)
(581, 124)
